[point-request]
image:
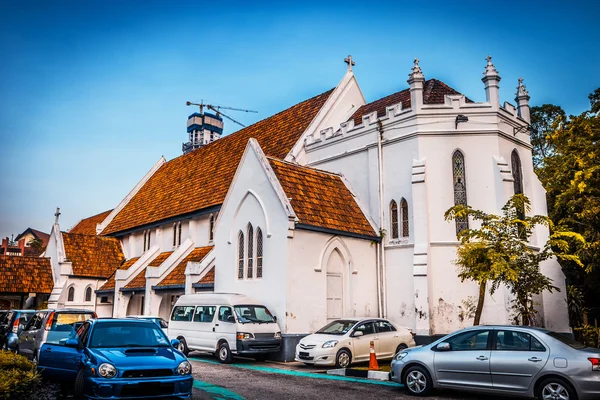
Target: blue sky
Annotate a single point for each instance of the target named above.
(92, 93)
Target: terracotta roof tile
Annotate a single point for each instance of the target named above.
(92, 255)
(201, 178)
(208, 278)
(138, 282)
(87, 226)
(177, 275)
(321, 199)
(110, 283)
(159, 259)
(20, 274)
(433, 93)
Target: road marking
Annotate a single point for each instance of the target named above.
(302, 374)
(219, 391)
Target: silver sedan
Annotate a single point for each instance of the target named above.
(513, 360)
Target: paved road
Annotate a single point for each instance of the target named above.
(250, 380)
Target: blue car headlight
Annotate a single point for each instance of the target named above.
(400, 356)
(107, 370)
(184, 368)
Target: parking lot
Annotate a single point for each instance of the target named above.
(247, 379)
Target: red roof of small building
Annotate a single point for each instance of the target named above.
(87, 226)
(19, 274)
(201, 178)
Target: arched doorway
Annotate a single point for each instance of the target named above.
(335, 285)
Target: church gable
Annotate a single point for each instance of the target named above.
(91, 255)
(201, 178)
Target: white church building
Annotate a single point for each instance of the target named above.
(331, 208)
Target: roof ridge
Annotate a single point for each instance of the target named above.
(304, 167)
(35, 257)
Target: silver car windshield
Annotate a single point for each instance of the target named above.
(256, 314)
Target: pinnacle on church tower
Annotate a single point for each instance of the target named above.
(522, 99)
(491, 79)
(416, 72)
(416, 80)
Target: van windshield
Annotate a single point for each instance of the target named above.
(255, 314)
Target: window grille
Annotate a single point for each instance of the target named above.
(71, 294)
(394, 219)
(259, 253)
(250, 252)
(241, 255)
(404, 210)
(460, 188)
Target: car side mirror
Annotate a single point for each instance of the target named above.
(445, 346)
(231, 319)
(72, 342)
(275, 318)
(175, 343)
(358, 334)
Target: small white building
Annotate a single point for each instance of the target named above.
(333, 207)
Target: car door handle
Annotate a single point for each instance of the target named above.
(534, 359)
(482, 358)
(48, 349)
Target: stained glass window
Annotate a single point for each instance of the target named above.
(259, 253)
(460, 187)
(404, 213)
(250, 251)
(241, 255)
(394, 219)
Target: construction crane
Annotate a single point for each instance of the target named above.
(218, 109)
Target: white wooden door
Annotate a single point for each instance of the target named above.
(335, 295)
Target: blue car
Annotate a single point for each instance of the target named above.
(118, 359)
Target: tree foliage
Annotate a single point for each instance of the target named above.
(498, 252)
(544, 119)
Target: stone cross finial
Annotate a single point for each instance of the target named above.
(348, 60)
(56, 215)
(521, 89)
(416, 70)
(490, 69)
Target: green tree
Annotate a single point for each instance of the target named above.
(595, 100)
(543, 122)
(37, 244)
(498, 252)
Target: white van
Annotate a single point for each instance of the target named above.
(224, 324)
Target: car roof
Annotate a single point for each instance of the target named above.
(535, 328)
(128, 320)
(67, 310)
(143, 316)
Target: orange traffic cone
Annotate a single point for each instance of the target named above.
(373, 366)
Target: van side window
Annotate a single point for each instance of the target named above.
(225, 313)
(204, 313)
(182, 313)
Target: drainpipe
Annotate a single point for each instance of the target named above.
(382, 245)
(377, 266)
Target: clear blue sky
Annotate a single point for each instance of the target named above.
(92, 93)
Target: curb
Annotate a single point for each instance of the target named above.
(359, 373)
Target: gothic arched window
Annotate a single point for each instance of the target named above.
(71, 294)
(394, 219)
(460, 187)
(259, 253)
(241, 255)
(404, 213)
(88, 294)
(250, 272)
(517, 172)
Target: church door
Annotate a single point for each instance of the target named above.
(335, 286)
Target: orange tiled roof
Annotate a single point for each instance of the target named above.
(138, 282)
(87, 226)
(159, 259)
(20, 274)
(208, 278)
(177, 275)
(201, 178)
(433, 93)
(110, 283)
(92, 255)
(321, 199)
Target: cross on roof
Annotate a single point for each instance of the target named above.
(416, 62)
(57, 214)
(520, 81)
(489, 59)
(348, 60)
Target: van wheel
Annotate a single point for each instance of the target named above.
(183, 346)
(224, 353)
(79, 385)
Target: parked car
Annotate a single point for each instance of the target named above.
(118, 358)
(514, 360)
(15, 321)
(224, 324)
(344, 341)
(157, 320)
(49, 326)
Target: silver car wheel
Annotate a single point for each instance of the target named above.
(416, 381)
(555, 391)
(344, 359)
